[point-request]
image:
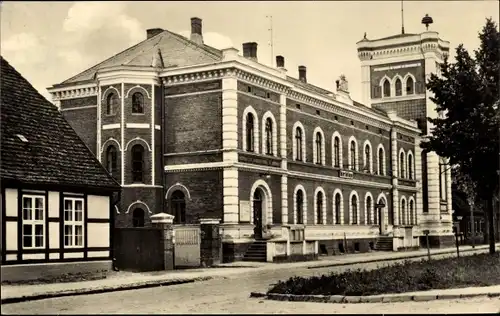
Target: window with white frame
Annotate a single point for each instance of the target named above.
(73, 222)
(381, 161)
(336, 151)
(33, 221)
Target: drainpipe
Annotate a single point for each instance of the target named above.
(163, 133)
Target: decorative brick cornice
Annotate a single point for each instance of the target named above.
(262, 82)
(74, 92)
(197, 76)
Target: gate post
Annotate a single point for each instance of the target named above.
(211, 242)
(165, 223)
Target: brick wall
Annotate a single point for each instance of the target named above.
(78, 102)
(150, 196)
(193, 122)
(84, 122)
(408, 109)
(205, 189)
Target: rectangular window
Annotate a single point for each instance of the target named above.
(33, 221)
(73, 222)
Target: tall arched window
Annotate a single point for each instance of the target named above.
(111, 158)
(269, 136)
(368, 157)
(298, 143)
(354, 208)
(299, 206)
(352, 163)
(410, 167)
(319, 207)
(387, 88)
(336, 152)
(381, 170)
(138, 217)
(337, 208)
(402, 218)
(178, 207)
(412, 215)
(137, 163)
(409, 86)
(399, 88)
(401, 165)
(368, 210)
(319, 143)
(250, 127)
(111, 102)
(137, 103)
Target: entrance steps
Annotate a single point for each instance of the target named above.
(384, 243)
(256, 252)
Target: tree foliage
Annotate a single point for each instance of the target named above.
(467, 94)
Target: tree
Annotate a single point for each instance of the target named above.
(467, 94)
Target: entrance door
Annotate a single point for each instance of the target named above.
(257, 214)
(380, 220)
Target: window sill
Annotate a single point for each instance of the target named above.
(139, 114)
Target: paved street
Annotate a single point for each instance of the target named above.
(230, 294)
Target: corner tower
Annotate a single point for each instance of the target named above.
(394, 72)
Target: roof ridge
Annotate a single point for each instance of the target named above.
(204, 47)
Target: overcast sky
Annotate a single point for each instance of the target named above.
(48, 42)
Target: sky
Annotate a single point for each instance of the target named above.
(48, 42)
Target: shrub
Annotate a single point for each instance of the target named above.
(475, 270)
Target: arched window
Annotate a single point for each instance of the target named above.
(412, 215)
(319, 207)
(402, 218)
(300, 205)
(111, 158)
(368, 210)
(336, 152)
(137, 103)
(352, 162)
(337, 208)
(250, 127)
(269, 136)
(298, 143)
(410, 167)
(319, 145)
(354, 208)
(381, 170)
(399, 88)
(138, 217)
(178, 207)
(401, 165)
(409, 86)
(111, 102)
(137, 163)
(368, 158)
(387, 88)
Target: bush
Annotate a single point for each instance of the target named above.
(408, 276)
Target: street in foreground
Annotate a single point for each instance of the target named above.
(231, 295)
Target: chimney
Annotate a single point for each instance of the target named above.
(196, 33)
(153, 32)
(302, 74)
(280, 61)
(250, 50)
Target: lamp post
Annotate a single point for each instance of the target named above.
(473, 230)
(459, 218)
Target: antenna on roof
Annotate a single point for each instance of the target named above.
(270, 29)
(402, 19)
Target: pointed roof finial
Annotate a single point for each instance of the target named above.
(427, 20)
(364, 37)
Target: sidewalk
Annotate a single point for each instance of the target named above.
(127, 280)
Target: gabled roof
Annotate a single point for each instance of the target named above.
(175, 49)
(38, 146)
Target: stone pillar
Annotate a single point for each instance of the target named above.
(211, 242)
(165, 223)
(395, 172)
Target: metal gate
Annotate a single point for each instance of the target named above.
(187, 246)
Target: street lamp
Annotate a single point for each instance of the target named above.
(459, 218)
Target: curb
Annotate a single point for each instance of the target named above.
(388, 259)
(341, 299)
(133, 286)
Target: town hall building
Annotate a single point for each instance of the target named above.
(198, 132)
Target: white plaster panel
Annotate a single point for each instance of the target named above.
(11, 257)
(98, 235)
(33, 256)
(54, 235)
(54, 256)
(98, 206)
(94, 254)
(73, 255)
(54, 204)
(10, 202)
(11, 235)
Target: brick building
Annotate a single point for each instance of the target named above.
(199, 132)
